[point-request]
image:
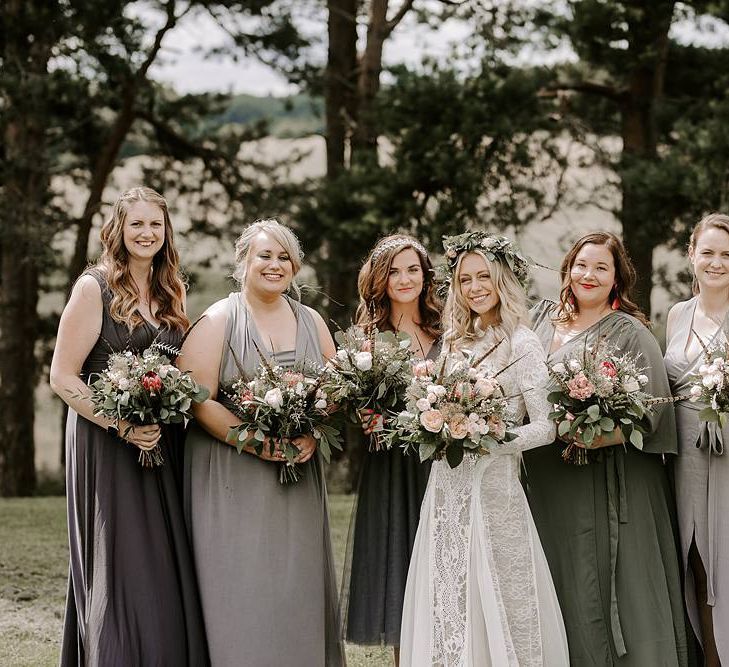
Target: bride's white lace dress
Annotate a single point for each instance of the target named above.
(479, 592)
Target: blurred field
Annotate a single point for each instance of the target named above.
(33, 578)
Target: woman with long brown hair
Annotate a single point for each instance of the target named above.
(609, 528)
(132, 596)
(702, 468)
(397, 292)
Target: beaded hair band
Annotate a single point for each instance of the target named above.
(396, 243)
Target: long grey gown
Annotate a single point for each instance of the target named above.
(702, 484)
(132, 597)
(262, 549)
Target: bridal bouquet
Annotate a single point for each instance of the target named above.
(711, 384)
(598, 391)
(370, 371)
(277, 405)
(145, 389)
(460, 411)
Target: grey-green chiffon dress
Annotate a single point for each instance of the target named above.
(262, 550)
(702, 484)
(609, 528)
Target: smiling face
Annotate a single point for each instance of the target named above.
(592, 275)
(710, 259)
(144, 230)
(269, 265)
(405, 278)
(475, 284)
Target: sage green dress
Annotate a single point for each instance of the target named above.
(609, 528)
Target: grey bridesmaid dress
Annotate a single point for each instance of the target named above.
(132, 596)
(262, 549)
(702, 484)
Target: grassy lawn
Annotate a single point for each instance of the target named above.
(33, 572)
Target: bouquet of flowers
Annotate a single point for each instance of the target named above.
(458, 412)
(277, 405)
(598, 391)
(711, 384)
(371, 370)
(145, 389)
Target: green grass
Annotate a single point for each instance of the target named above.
(33, 579)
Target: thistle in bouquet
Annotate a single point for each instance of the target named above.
(459, 411)
(144, 389)
(599, 390)
(369, 374)
(278, 405)
(711, 384)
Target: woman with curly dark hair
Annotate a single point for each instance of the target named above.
(397, 292)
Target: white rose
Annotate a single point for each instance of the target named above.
(575, 365)
(342, 355)
(321, 404)
(123, 384)
(643, 379)
(423, 404)
(437, 389)
(630, 384)
(708, 381)
(559, 368)
(274, 398)
(695, 393)
(432, 398)
(704, 369)
(363, 360)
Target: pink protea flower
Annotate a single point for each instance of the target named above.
(580, 387)
(152, 382)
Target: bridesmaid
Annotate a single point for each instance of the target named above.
(132, 596)
(702, 470)
(397, 290)
(609, 528)
(262, 549)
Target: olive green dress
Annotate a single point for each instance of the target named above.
(609, 528)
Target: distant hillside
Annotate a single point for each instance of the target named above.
(288, 117)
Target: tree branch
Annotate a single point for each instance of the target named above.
(171, 22)
(406, 6)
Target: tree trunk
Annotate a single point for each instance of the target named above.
(26, 50)
(364, 146)
(642, 233)
(340, 81)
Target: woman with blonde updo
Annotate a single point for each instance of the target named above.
(262, 549)
(132, 596)
(397, 292)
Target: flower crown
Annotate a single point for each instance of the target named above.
(493, 247)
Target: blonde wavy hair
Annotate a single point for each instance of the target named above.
(372, 285)
(167, 286)
(463, 324)
(279, 233)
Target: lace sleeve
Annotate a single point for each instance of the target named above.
(532, 382)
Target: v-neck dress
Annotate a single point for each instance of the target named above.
(702, 482)
(262, 549)
(132, 595)
(609, 528)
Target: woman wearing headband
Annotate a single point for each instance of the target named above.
(396, 292)
(479, 590)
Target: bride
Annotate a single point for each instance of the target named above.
(479, 592)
